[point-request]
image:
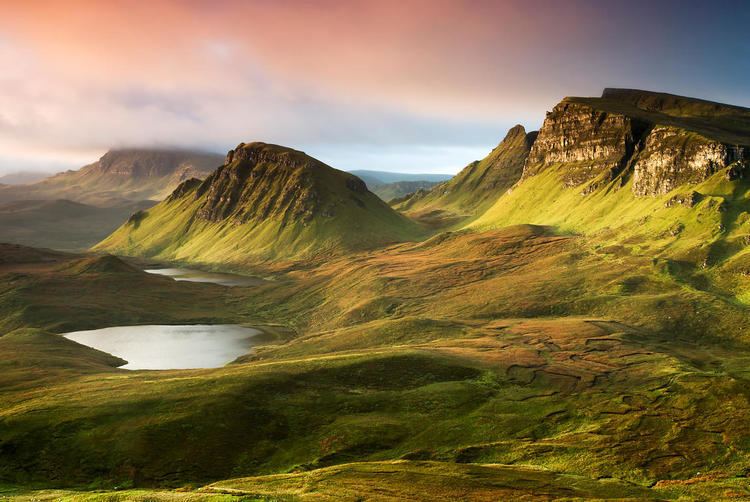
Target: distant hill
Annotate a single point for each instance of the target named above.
(264, 201)
(23, 177)
(120, 177)
(400, 189)
(389, 186)
(374, 178)
(61, 224)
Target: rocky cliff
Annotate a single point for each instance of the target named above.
(662, 141)
(140, 163)
(590, 143)
(672, 157)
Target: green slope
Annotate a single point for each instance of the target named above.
(647, 169)
(478, 185)
(266, 201)
(599, 352)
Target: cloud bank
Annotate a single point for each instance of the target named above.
(400, 85)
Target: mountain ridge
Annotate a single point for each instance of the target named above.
(264, 201)
(120, 176)
(477, 185)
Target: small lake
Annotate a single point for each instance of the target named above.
(192, 275)
(162, 347)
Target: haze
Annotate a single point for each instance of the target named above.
(389, 85)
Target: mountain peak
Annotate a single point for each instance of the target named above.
(481, 182)
(151, 163)
(266, 200)
(259, 149)
(259, 180)
(515, 131)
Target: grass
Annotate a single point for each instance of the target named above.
(475, 188)
(516, 360)
(333, 218)
(557, 346)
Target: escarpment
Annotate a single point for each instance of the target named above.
(660, 141)
(120, 177)
(672, 157)
(589, 142)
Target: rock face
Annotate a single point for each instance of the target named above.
(259, 181)
(674, 157)
(591, 143)
(138, 164)
(661, 141)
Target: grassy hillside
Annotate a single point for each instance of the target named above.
(265, 202)
(572, 341)
(544, 351)
(704, 224)
(477, 186)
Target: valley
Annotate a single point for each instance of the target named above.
(566, 319)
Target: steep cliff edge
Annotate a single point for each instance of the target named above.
(265, 201)
(590, 143)
(660, 140)
(638, 166)
(480, 183)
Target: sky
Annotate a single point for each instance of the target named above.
(396, 85)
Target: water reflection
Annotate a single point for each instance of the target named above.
(157, 347)
(192, 275)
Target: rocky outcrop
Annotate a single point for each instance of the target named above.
(140, 163)
(653, 138)
(589, 143)
(260, 181)
(501, 169)
(184, 188)
(673, 157)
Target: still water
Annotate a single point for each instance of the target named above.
(192, 275)
(161, 347)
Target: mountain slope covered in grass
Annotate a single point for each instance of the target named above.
(586, 336)
(635, 166)
(478, 185)
(265, 201)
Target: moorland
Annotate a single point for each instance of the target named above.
(564, 319)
